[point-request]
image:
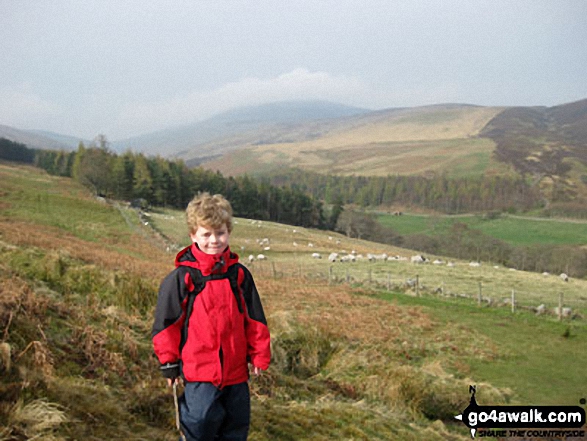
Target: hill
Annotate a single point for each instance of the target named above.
(548, 144)
(405, 141)
(78, 278)
(246, 123)
(39, 139)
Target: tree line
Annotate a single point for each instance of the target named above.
(439, 193)
(161, 182)
(296, 198)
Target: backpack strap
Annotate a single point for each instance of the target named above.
(199, 282)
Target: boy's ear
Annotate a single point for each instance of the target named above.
(193, 237)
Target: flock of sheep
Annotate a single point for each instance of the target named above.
(354, 257)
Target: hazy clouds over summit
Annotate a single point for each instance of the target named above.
(128, 68)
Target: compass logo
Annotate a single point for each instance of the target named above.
(478, 418)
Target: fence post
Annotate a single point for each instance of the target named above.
(417, 285)
(560, 306)
(513, 301)
(330, 275)
(388, 281)
(480, 294)
(274, 271)
(370, 274)
(347, 276)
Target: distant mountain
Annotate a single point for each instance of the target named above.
(192, 139)
(451, 139)
(38, 139)
(541, 139)
(420, 140)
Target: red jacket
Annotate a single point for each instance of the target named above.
(221, 340)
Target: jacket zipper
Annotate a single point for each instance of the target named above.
(221, 356)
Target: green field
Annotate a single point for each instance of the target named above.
(527, 361)
(511, 229)
(349, 360)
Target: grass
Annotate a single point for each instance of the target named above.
(531, 289)
(441, 140)
(50, 201)
(541, 360)
(347, 363)
(511, 229)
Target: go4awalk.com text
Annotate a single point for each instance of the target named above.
(522, 421)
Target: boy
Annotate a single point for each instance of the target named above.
(209, 339)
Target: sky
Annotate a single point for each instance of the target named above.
(126, 68)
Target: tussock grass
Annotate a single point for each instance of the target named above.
(37, 419)
(348, 364)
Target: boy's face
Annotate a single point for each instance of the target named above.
(211, 240)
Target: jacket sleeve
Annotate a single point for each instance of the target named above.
(169, 318)
(257, 332)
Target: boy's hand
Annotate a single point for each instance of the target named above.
(257, 370)
(170, 381)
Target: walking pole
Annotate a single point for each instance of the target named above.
(176, 403)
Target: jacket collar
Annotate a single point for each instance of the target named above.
(207, 263)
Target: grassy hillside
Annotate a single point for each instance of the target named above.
(548, 144)
(511, 229)
(403, 141)
(350, 360)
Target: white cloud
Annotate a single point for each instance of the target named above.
(21, 107)
(299, 84)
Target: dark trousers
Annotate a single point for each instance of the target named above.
(210, 414)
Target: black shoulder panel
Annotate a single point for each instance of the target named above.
(169, 301)
(252, 299)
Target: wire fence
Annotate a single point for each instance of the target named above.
(550, 300)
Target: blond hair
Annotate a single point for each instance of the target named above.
(208, 211)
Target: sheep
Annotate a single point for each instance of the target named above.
(316, 256)
(261, 257)
(251, 258)
(418, 259)
(332, 257)
(564, 277)
(348, 258)
(474, 264)
(565, 312)
(437, 262)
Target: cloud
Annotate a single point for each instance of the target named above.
(23, 108)
(299, 84)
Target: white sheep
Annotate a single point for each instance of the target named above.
(261, 257)
(251, 258)
(564, 277)
(332, 257)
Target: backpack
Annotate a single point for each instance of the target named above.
(199, 282)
